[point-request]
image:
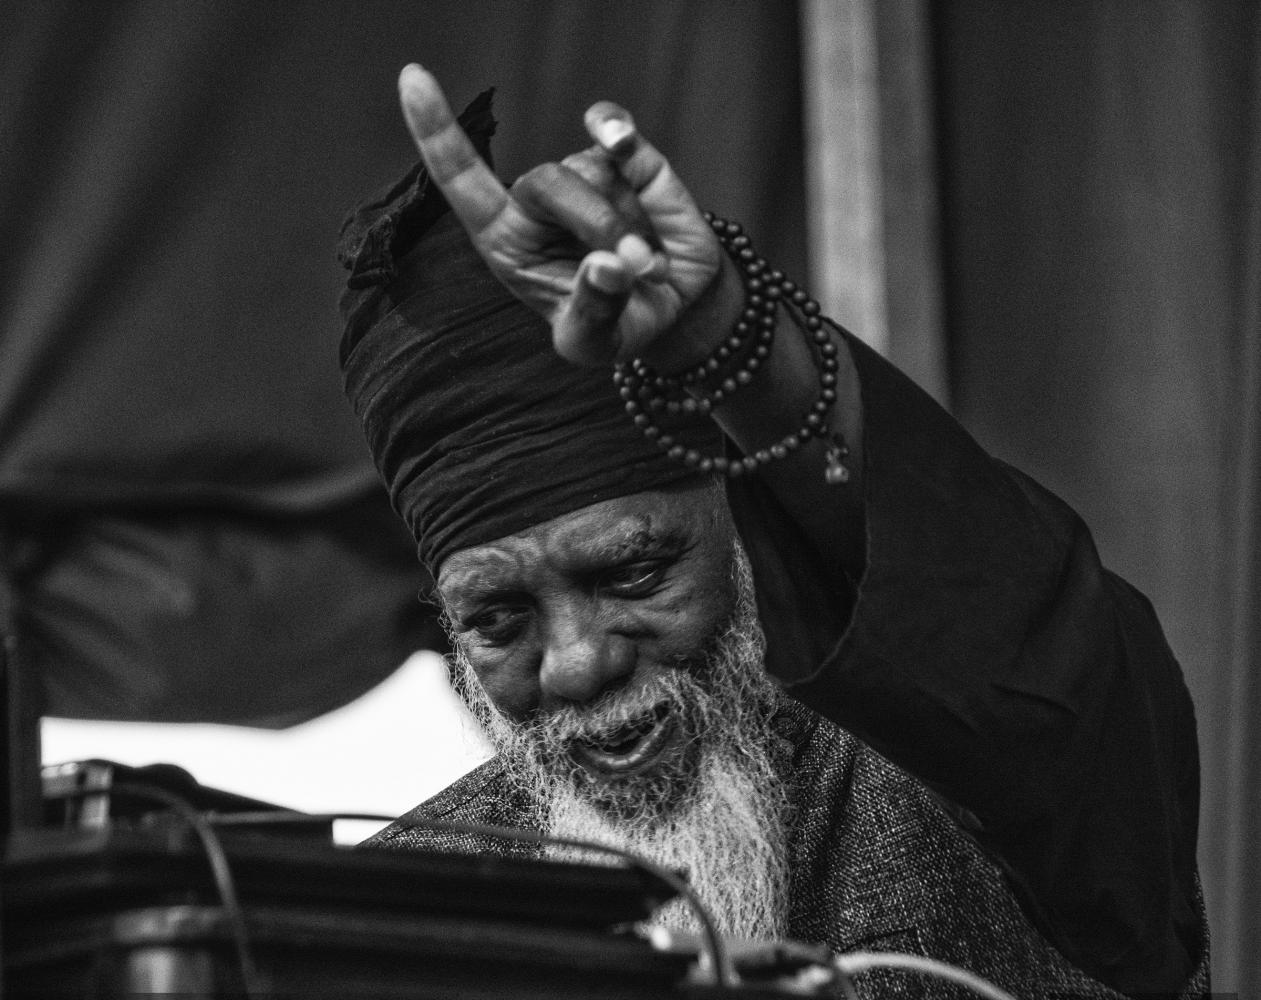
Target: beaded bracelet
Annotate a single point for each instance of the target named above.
(757, 322)
(643, 390)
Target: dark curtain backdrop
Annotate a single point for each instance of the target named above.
(191, 527)
(1103, 190)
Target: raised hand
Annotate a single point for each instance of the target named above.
(608, 245)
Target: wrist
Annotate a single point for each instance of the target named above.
(708, 388)
(705, 325)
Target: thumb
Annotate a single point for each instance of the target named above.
(584, 331)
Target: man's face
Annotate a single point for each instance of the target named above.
(620, 665)
(605, 605)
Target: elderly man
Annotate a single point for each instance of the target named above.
(754, 606)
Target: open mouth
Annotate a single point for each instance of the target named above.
(630, 748)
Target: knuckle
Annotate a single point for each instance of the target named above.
(590, 167)
(537, 180)
(605, 220)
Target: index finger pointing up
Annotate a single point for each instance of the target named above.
(474, 192)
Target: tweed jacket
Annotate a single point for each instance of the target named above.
(877, 865)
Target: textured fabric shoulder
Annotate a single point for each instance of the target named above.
(879, 864)
(483, 797)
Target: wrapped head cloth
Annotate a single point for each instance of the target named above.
(477, 426)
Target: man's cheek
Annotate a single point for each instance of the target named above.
(507, 689)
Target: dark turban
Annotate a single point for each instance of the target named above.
(478, 427)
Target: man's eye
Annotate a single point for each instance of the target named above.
(634, 579)
(498, 625)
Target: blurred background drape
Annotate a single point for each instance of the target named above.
(1094, 196)
(1102, 184)
(1058, 211)
(192, 527)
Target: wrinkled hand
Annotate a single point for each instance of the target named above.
(608, 245)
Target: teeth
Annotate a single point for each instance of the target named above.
(624, 737)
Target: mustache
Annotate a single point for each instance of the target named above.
(668, 689)
(616, 711)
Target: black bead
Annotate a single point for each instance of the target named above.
(764, 288)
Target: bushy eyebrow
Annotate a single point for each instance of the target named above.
(473, 587)
(637, 541)
(629, 539)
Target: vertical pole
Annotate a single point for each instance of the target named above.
(843, 179)
(872, 204)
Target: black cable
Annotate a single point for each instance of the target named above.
(220, 870)
(724, 974)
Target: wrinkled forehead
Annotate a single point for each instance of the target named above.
(603, 533)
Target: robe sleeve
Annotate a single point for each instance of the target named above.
(983, 648)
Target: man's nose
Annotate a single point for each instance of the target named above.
(581, 659)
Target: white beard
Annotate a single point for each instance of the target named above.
(717, 811)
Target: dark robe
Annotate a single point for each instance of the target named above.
(1047, 838)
